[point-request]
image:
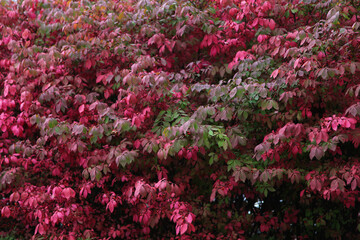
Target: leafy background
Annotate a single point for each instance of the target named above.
(179, 119)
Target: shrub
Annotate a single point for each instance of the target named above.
(179, 119)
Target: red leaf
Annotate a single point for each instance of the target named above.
(240, 55)
(318, 138)
(137, 143)
(202, 150)
(212, 196)
(317, 152)
(313, 184)
(14, 197)
(312, 153)
(100, 78)
(25, 34)
(136, 121)
(334, 185)
(334, 125)
(324, 135)
(188, 155)
(88, 64)
(68, 193)
(111, 205)
(138, 186)
(232, 64)
(107, 93)
(272, 24)
(41, 229)
(318, 185)
(311, 136)
(189, 218)
(183, 228)
(298, 129)
(302, 193)
(16, 130)
(326, 194)
(131, 99)
(81, 108)
(275, 73)
(353, 184)
(5, 212)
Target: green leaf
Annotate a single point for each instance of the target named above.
(126, 126)
(264, 104)
(98, 175)
(53, 123)
(93, 139)
(287, 14)
(58, 130)
(212, 10)
(225, 145)
(245, 115)
(275, 105)
(302, 35)
(240, 92)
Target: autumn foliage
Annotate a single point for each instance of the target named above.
(180, 119)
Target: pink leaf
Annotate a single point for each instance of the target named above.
(5, 211)
(324, 136)
(317, 152)
(318, 138)
(111, 205)
(88, 64)
(68, 193)
(25, 34)
(334, 125)
(189, 218)
(272, 24)
(313, 184)
(240, 55)
(275, 73)
(100, 78)
(136, 121)
(318, 185)
(131, 99)
(212, 197)
(16, 130)
(232, 64)
(81, 108)
(138, 186)
(41, 229)
(183, 228)
(302, 193)
(14, 197)
(311, 136)
(334, 185)
(353, 184)
(12, 89)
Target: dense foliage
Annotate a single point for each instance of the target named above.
(185, 119)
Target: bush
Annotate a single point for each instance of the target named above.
(179, 119)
